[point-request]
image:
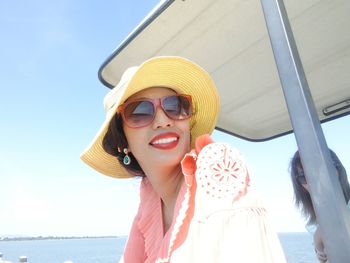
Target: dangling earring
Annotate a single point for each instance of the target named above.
(126, 159)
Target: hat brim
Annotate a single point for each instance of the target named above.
(179, 74)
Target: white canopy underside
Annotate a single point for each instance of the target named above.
(229, 39)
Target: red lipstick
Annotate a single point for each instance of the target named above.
(165, 141)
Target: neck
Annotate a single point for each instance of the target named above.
(167, 183)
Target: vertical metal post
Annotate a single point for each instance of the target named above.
(327, 197)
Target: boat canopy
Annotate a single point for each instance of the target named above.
(230, 40)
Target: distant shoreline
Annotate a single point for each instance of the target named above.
(28, 238)
(53, 238)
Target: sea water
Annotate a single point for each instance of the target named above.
(82, 250)
(297, 247)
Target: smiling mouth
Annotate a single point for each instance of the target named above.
(164, 141)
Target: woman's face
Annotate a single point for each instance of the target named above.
(164, 141)
(301, 178)
(304, 183)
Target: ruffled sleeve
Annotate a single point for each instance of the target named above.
(230, 222)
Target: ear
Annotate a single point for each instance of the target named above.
(202, 141)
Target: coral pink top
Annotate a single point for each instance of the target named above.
(217, 217)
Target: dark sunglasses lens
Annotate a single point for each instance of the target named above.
(177, 107)
(139, 113)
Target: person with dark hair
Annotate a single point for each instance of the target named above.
(196, 203)
(303, 200)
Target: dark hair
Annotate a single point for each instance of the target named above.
(302, 197)
(115, 139)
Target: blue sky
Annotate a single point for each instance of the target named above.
(51, 107)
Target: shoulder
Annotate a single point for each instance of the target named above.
(221, 171)
(222, 181)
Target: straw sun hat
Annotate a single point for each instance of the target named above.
(179, 74)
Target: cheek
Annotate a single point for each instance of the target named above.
(131, 137)
(137, 142)
(185, 128)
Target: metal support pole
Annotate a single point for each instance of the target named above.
(327, 197)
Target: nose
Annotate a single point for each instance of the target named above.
(161, 120)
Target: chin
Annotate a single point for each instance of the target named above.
(174, 159)
(170, 159)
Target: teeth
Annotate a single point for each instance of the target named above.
(166, 140)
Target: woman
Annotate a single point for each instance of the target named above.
(196, 204)
(303, 201)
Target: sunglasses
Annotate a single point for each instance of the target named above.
(140, 113)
